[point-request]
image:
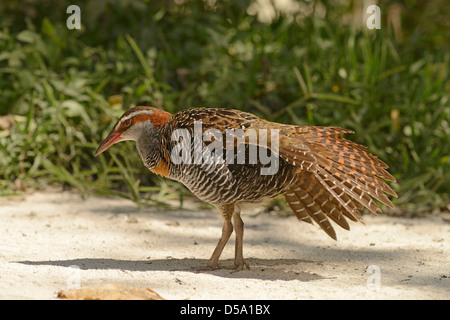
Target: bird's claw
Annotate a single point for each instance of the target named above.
(238, 266)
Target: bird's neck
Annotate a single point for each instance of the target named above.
(149, 146)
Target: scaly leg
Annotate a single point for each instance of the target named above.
(226, 211)
(239, 261)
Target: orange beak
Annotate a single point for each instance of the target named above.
(111, 139)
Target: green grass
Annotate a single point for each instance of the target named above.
(64, 89)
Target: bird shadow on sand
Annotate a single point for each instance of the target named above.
(262, 269)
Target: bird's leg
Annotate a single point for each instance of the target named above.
(227, 230)
(239, 262)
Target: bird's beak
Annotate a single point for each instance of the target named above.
(111, 139)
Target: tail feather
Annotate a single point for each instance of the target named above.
(353, 189)
(369, 184)
(297, 206)
(311, 202)
(310, 209)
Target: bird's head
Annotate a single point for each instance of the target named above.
(133, 123)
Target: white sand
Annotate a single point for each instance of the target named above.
(110, 240)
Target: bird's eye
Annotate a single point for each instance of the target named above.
(126, 123)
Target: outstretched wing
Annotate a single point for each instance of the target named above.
(342, 177)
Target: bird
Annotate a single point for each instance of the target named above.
(234, 159)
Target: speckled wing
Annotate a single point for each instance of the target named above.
(343, 179)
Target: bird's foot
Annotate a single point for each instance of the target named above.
(238, 266)
(208, 267)
(241, 265)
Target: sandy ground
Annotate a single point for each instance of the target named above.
(52, 241)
